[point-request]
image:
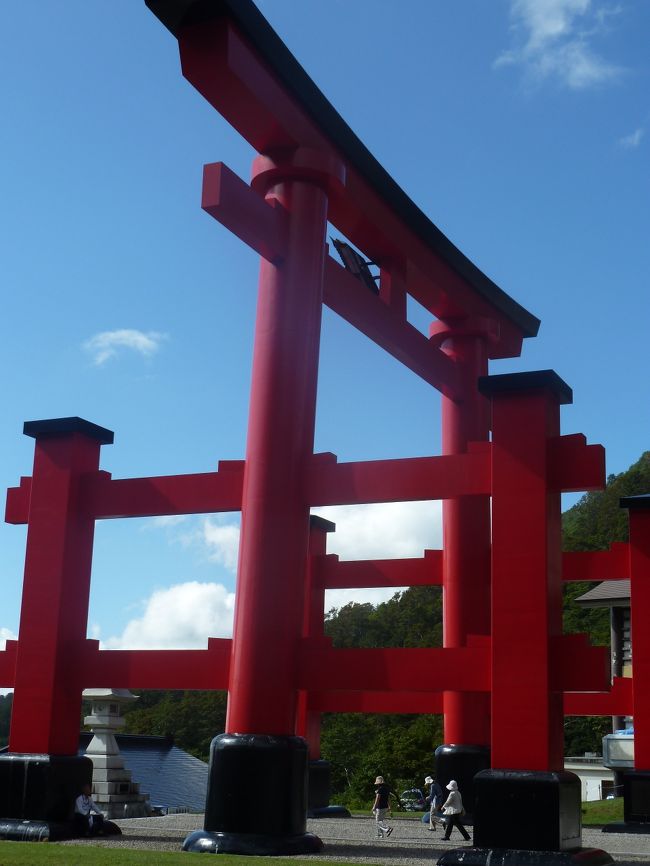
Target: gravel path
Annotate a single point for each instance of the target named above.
(352, 840)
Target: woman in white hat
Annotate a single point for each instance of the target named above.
(435, 801)
(453, 809)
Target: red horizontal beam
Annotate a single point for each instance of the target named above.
(157, 669)
(574, 465)
(350, 299)
(618, 701)
(416, 703)
(327, 483)
(321, 668)
(577, 666)
(332, 573)
(239, 208)
(104, 497)
(612, 564)
(410, 479)
(17, 503)
(8, 664)
(200, 493)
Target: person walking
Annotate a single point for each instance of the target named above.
(453, 810)
(381, 808)
(435, 802)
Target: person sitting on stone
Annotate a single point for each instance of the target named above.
(87, 815)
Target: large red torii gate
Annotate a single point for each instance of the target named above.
(502, 616)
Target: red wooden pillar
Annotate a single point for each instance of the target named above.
(56, 586)
(466, 525)
(527, 712)
(270, 603)
(527, 780)
(308, 721)
(639, 508)
(275, 512)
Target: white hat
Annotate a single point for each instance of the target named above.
(428, 781)
(453, 785)
(379, 780)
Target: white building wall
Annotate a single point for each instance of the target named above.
(591, 775)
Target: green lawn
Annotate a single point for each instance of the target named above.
(602, 812)
(37, 853)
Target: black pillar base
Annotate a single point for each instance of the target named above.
(257, 798)
(318, 796)
(37, 794)
(627, 827)
(329, 812)
(519, 857)
(462, 763)
(15, 830)
(636, 804)
(527, 810)
(636, 796)
(251, 844)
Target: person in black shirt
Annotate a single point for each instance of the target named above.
(381, 807)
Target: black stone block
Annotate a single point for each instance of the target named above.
(629, 827)
(636, 794)
(527, 810)
(41, 787)
(242, 766)
(318, 793)
(462, 763)
(508, 857)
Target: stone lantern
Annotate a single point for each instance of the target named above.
(113, 791)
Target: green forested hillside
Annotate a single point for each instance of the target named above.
(360, 746)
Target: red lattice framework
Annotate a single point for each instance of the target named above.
(506, 674)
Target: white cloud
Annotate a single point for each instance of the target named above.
(554, 41)
(629, 142)
(222, 541)
(108, 344)
(166, 521)
(186, 614)
(390, 530)
(5, 635)
(183, 616)
(216, 536)
(394, 530)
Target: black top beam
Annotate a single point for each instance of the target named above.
(636, 502)
(516, 383)
(176, 14)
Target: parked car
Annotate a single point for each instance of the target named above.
(413, 800)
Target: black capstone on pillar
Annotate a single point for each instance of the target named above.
(257, 798)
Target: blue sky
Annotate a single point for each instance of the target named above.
(522, 130)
